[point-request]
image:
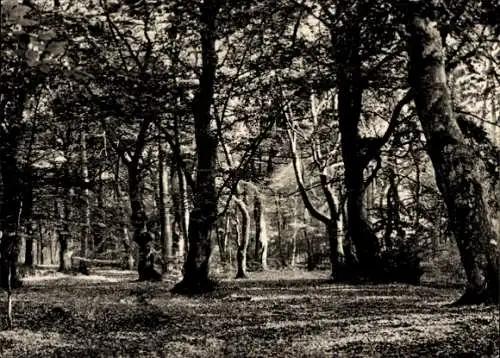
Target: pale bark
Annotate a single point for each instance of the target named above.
(241, 255)
(261, 237)
(165, 225)
(330, 221)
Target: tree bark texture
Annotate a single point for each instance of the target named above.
(204, 213)
(460, 175)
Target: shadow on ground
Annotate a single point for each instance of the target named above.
(271, 314)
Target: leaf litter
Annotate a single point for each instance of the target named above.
(270, 314)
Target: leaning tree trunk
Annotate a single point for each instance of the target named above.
(204, 213)
(459, 172)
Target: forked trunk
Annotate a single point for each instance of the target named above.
(355, 157)
(460, 175)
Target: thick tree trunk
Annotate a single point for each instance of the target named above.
(241, 254)
(204, 213)
(128, 260)
(355, 155)
(460, 175)
(337, 261)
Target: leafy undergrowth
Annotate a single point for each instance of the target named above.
(280, 314)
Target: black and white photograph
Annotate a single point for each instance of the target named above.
(249, 178)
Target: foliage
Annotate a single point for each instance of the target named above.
(402, 263)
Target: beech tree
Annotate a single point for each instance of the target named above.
(460, 176)
(204, 213)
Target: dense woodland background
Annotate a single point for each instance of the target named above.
(167, 137)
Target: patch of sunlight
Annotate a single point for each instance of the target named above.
(299, 323)
(399, 334)
(183, 302)
(29, 338)
(372, 334)
(207, 347)
(51, 277)
(278, 297)
(116, 272)
(97, 278)
(126, 335)
(383, 298)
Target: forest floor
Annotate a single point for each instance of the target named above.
(274, 314)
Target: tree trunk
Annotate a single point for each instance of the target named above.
(460, 175)
(241, 255)
(166, 233)
(335, 256)
(204, 213)
(28, 253)
(261, 237)
(184, 214)
(84, 242)
(355, 156)
(26, 215)
(279, 227)
(128, 261)
(142, 237)
(222, 235)
(64, 234)
(9, 215)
